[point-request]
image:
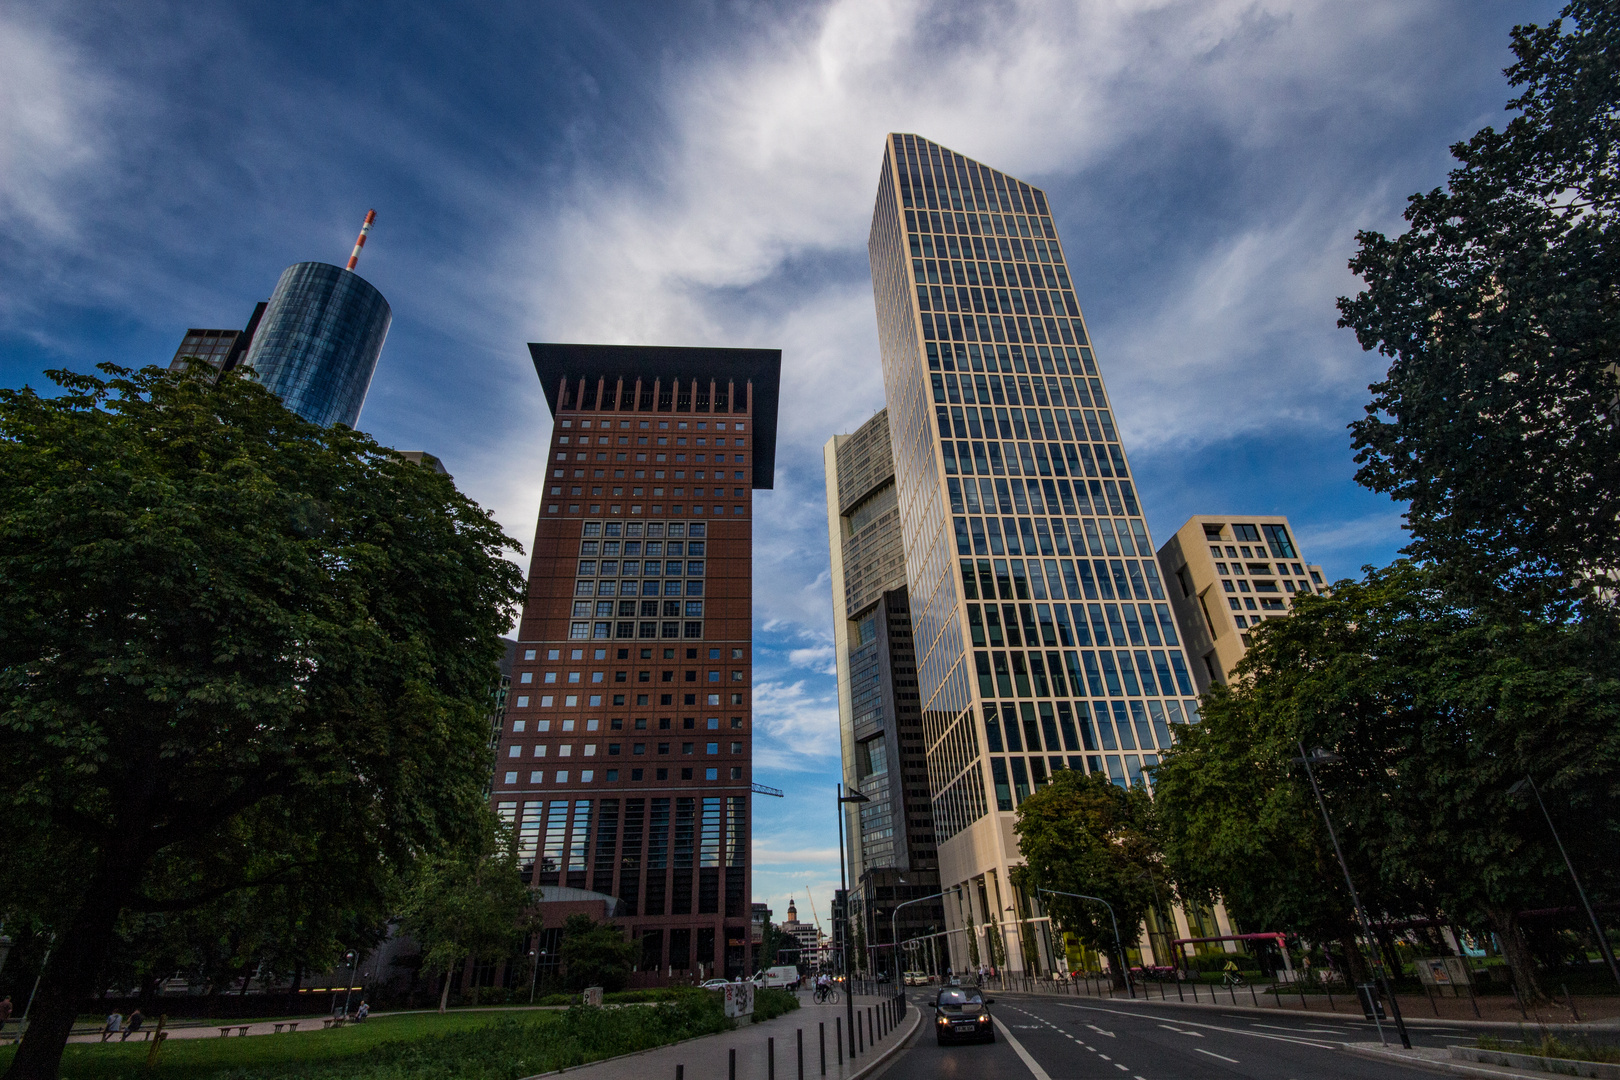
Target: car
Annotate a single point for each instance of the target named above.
(783, 977)
(917, 978)
(963, 1015)
(716, 984)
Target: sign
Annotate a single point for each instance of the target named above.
(593, 996)
(739, 999)
(1444, 973)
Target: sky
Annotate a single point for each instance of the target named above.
(703, 174)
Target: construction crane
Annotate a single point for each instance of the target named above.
(812, 900)
(761, 789)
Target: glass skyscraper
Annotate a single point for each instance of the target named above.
(1044, 636)
(317, 344)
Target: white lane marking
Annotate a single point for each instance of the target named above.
(1100, 1031)
(1216, 1027)
(1178, 1031)
(1213, 1054)
(1023, 1055)
(1120, 1067)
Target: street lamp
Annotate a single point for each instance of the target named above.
(353, 958)
(843, 880)
(1320, 756)
(1602, 942)
(535, 973)
(894, 931)
(1119, 944)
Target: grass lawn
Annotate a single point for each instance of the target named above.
(467, 1046)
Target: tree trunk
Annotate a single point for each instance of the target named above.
(1356, 969)
(444, 994)
(72, 976)
(1505, 922)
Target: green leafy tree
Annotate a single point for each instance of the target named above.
(1083, 834)
(777, 947)
(236, 649)
(1436, 709)
(595, 954)
(1237, 822)
(468, 903)
(1496, 422)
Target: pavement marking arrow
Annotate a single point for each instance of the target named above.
(1179, 1031)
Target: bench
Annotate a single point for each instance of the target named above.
(225, 1032)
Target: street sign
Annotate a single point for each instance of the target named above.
(593, 996)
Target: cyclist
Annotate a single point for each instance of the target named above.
(1232, 976)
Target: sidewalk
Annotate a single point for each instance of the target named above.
(709, 1057)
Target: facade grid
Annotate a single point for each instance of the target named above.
(1046, 636)
(625, 763)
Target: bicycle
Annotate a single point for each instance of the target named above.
(826, 995)
(1232, 978)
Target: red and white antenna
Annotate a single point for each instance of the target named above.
(354, 256)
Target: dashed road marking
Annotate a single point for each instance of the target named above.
(1213, 1054)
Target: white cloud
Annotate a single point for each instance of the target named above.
(800, 726)
(819, 658)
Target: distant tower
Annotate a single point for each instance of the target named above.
(318, 342)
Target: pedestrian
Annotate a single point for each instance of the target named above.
(132, 1025)
(362, 1012)
(115, 1022)
(5, 1012)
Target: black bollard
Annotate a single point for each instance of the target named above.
(680, 1072)
(838, 1029)
(732, 1074)
(799, 1035)
(821, 1039)
(770, 1059)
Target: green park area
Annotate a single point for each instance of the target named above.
(483, 1044)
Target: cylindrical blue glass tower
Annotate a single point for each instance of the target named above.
(317, 345)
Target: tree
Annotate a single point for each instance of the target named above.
(595, 954)
(236, 650)
(773, 943)
(1083, 834)
(470, 902)
(1436, 709)
(1497, 419)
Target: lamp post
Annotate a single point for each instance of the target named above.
(535, 972)
(1322, 757)
(1119, 944)
(1597, 929)
(843, 880)
(894, 929)
(354, 959)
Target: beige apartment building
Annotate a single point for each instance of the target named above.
(1226, 574)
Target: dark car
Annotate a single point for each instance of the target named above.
(960, 1015)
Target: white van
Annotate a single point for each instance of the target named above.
(785, 977)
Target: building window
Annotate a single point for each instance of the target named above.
(579, 630)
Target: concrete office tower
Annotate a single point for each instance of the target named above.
(892, 852)
(626, 763)
(1044, 635)
(317, 344)
(1227, 573)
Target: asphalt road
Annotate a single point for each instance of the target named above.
(1041, 1038)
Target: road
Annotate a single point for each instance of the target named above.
(1042, 1038)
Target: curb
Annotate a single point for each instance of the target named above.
(1585, 1027)
(1453, 1068)
(899, 1044)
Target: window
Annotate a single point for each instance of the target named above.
(1246, 533)
(711, 748)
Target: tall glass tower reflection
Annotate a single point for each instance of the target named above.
(318, 342)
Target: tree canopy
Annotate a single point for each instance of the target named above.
(236, 649)
(1083, 834)
(595, 954)
(1500, 310)
(1436, 710)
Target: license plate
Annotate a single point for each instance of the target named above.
(966, 1027)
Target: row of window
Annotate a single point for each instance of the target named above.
(658, 493)
(1096, 536)
(639, 723)
(1039, 301)
(632, 568)
(1048, 624)
(1039, 391)
(1032, 459)
(587, 776)
(954, 182)
(575, 677)
(1045, 495)
(615, 749)
(629, 588)
(634, 528)
(1106, 672)
(624, 440)
(1024, 783)
(579, 631)
(1057, 579)
(1031, 329)
(985, 237)
(1013, 359)
(645, 425)
(737, 653)
(611, 548)
(595, 700)
(628, 609)
(1027, 726)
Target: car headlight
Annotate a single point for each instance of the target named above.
(984, 1019)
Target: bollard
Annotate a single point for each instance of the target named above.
(680, 1072)
(770, 1059)
(821, 1039)
(800, 1036)
(732, 1074)
(860, 1036)
(838, 1030)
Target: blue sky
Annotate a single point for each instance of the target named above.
(703, 174)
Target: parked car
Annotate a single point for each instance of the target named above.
(716, 984)
(963, 1015)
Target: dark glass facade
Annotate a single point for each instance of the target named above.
(318, 342)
